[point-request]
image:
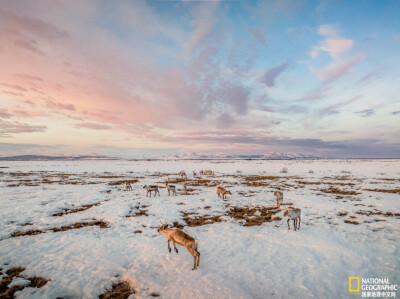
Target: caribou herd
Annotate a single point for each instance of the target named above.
(177, 236)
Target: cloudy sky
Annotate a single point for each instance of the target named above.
(131, 78)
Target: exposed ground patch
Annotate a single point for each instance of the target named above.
(67, 211)
(37, 178)
(137, 211)
(260, 181)
(348, 221)
(309, 183)
(342, 214)
(9, 293)
(325, 183)
(253, 178)
(121, 182)
(376, 212)
(384, 190)
(120, 290)
(200, 220)
(252, 216)
(76, 225)
(335, 190)
(203, 182)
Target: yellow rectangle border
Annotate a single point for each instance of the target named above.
(358, 284)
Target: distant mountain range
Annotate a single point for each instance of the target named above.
(55, 158)
(270, 155)
(178, 156)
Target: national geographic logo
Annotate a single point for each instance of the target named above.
(373, 287)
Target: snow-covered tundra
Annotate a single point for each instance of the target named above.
(73, 224)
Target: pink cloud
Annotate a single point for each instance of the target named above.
(14, 87)
(29, 77)
(15, 94)
(82, 78)
(333, 43)
(59, 106)
(338, 68)
(28, 44)
(28, 113)
(15, 127)
(32, 26)
(4, 114)
(335, 47)
(92, 126)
